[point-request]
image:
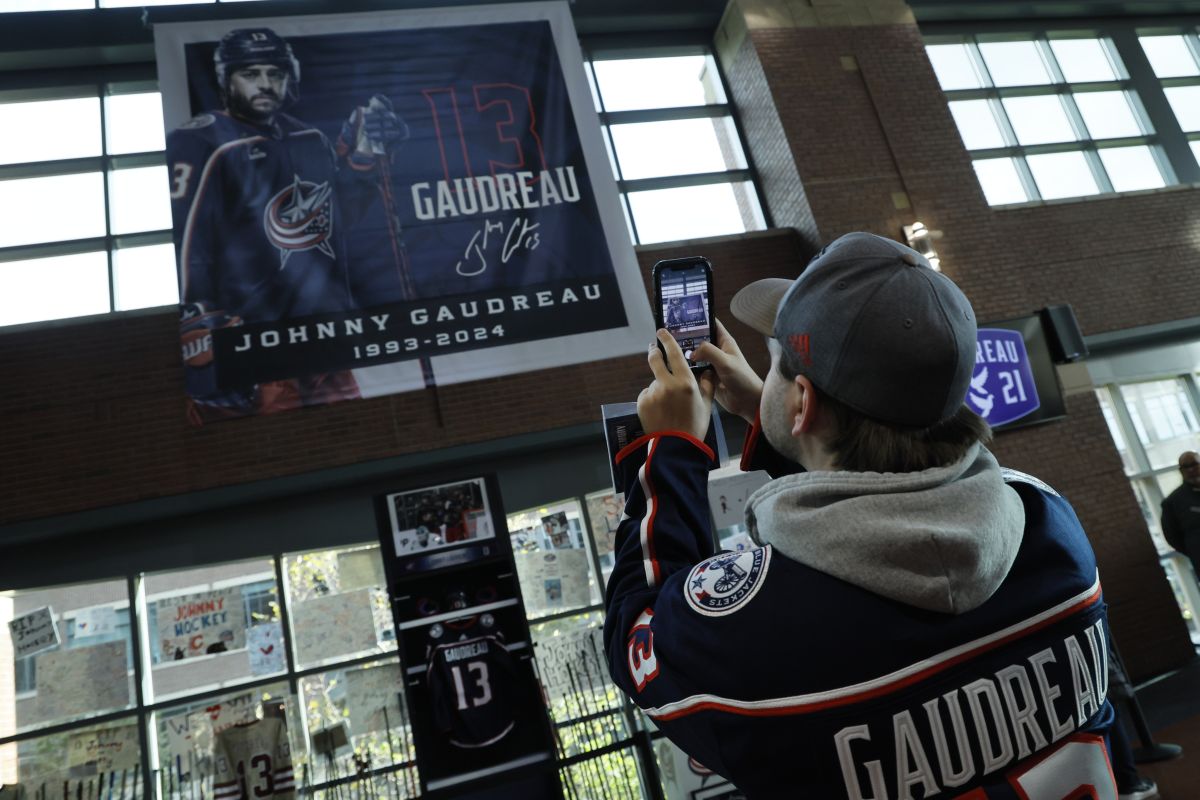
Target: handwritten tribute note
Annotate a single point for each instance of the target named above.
(33, 633)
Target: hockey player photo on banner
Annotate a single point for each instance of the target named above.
(372, 204)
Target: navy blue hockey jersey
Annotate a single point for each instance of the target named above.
(792, 683)
(257, 225)
(471, 675)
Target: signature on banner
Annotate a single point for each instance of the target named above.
(521, 234)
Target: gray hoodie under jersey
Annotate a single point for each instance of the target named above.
(941, 539)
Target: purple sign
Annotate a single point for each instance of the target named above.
(1002, 387)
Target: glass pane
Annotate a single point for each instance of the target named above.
(1083, 60)
(584, 705)
(554, 563)
(134, 123)
(261, 722)
(953, 66)
(692, 212)
(977, 124)
(604, 510)
(44, 130)
(365, 707)
(145, 277)
(669, 82)
(53, 288)
(1131, 168)
(1000, 181)
(1039, 120)
(338, 605)
(1185, 102)
(213, 627)
(71, 651)
(1114, 428)
(1107, 115)
(1195, 150)
(100, 761)
(1169, 56)
(1014, 63)
(677, 147)
(51, 209)
(139, 199)
(1168, 424)
(1062, 175)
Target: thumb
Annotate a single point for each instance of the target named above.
(707, 351)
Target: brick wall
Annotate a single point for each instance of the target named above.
(93, 411)
(875, 148)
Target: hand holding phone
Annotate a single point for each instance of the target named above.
(682, 304)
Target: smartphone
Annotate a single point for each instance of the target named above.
(683, 303)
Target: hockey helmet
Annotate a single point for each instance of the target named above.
(255, 46)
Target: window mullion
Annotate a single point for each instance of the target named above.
(1150, 93)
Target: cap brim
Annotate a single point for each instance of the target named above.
(757, 303)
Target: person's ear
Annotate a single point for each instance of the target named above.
(807, 406)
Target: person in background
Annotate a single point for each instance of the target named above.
(1181, 509)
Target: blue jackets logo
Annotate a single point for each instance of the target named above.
(300, 217)
(724, 583)
(1002, 387)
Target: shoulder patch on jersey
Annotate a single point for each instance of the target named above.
(1013, 476)
(199, 121)
(724, 583)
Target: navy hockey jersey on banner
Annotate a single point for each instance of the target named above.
(792, 683)
(471, 677)
(262, 231)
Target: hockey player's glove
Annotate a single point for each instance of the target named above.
(196, 326)
(372, 131)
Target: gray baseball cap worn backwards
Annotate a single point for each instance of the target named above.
(873, 326)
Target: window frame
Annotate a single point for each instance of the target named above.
(98, 84)
(601, 50)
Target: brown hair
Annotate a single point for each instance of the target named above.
(862, 444)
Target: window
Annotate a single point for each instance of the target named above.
(85, 198)
(674, 146)
(1051, 116)
(1175, 60)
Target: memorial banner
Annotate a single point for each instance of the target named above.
(370, 204)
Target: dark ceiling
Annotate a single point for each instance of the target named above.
(43, 40)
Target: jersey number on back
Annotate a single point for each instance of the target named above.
(181, 175)
(265, 786)
(1076, 769)
(480, 687)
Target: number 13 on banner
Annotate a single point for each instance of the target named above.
(1077, 769)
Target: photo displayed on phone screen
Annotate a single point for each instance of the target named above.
(685, 307)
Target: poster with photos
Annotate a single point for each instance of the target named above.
(437, 517)
(604, 512)
(558, 530)
(553, 580)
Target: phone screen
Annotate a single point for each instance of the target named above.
(684, 293)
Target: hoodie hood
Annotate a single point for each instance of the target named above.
(941, 539)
